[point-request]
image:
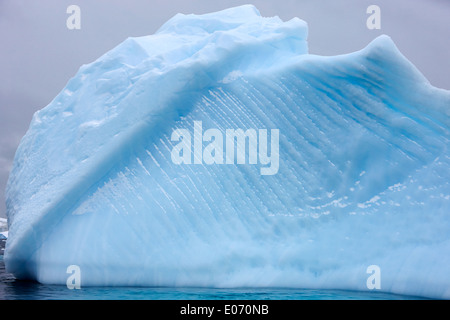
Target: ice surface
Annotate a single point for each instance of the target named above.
(363, 175)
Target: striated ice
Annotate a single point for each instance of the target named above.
(362, 179)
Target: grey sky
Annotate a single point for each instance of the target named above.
(38, 54)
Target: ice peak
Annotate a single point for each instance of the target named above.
(210, 22)
(241, 22)
(382, 47)
(217, 37)
(384, 51)
(382, 41)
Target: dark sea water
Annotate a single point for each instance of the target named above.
(13, 289)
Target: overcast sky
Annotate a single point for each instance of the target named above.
(39, 54)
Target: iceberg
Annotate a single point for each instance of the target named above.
(218, 152)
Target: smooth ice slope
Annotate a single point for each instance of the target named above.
(363, 173)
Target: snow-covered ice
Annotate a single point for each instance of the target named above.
(363, 175)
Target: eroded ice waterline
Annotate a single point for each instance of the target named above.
(362, 179)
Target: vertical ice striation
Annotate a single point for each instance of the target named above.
(362, 175)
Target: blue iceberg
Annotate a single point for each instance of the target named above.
(219, 153)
